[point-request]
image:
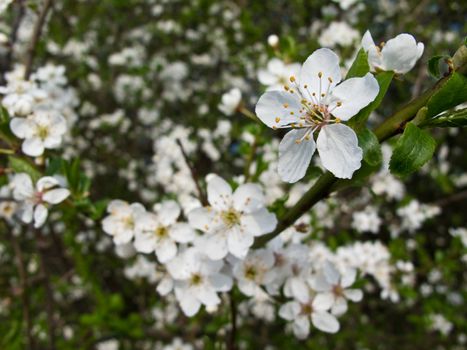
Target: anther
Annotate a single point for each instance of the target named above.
(292, 79)
(278, 120)
(320, 75)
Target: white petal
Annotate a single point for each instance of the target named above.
(401, 53)
(46, 182)
(182, 233)
(325, 322)
(323, 301)
(165, 286)
(189, 304)
(166, 250)
(22, 127)
(219, 192)
(248, 198)
(207, 295)
(340, 306)
(323, 61)
(331, 273)
(221, 282)
(294, 157)
(56, 196)
(348, 278)
(355, 295)
(168, 212)
(22, 187)
(26, 212)
(215, 246)
(301, 327)
(299, 289)
(274, 108)
(239, 242)
(40, 215)
(259, 222)
(33, 147)
(145, 242)
(339, 150)
(367, 41)
(354, 94)
(201, 218)
(289, 310)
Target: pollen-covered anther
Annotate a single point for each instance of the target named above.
(300, 125)
(338, 104)
(298, 141)
(308, 137)
(286, 105)
(278, 120)
(305, 86)
(292, 79)
(320, 75)
(286, 88)
(330, 79)
(291, 113)
(338, 120)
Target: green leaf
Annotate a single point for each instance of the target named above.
(451, 94)
(456, 119)
(384, 80)
(413, 149)
(359, 66)
(20, 165)
(434, 63)
(4, 116)
(369, 143)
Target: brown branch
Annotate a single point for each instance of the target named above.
(12, 40)
(37, 31)
(23, 278)
(201, 195)
(459, 196)
(49, 300)
(231, 339)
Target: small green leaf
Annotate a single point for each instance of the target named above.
(369, 143)
(451, 94)
(20, 165)
(413, 149)
(456, 119)
(359, 66)
(384, 80)
(4, 116)
(434, 65)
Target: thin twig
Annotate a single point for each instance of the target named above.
(201, 195)
(12, 40)
(231, 340)
(36, 34)
(459, 196)
(49, 300)
(23, 278)
(250, 159)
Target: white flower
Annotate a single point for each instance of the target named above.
(317, 103)
(338, 33)
(366, 220)
(230, 101)
(121, 222)
(332, 288)
(197, 280)
(233, 220)
(34, 200)
(254, 270)
(277, 73)
(302, 312)
(398, 54)
(41, 130)
(21, 96)
(159, 232)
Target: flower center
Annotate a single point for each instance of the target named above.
(230, 217)
(337, 290)
(250, 273)
(43, 132)
(306, 309)
(161, 232)
(196, 279)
